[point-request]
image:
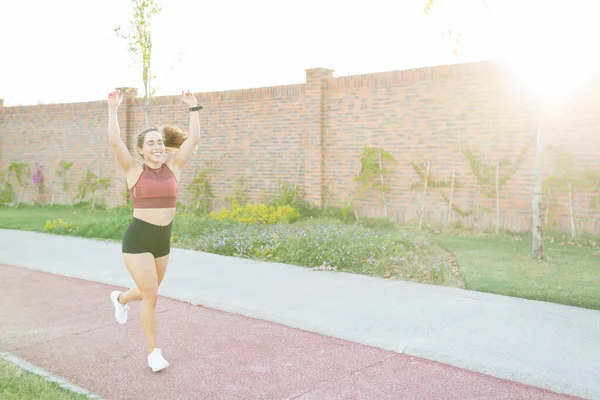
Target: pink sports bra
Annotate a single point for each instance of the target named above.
(156, 188)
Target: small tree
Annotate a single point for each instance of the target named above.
(565, 176)
(491, 177)
(139, 41)
(200, 190)
(61, 169)
(592, 179)
(372, 171)
(21, 171)
(455, 183)
(239, 192)
(89, 185)
(6, 191)
(427, 180)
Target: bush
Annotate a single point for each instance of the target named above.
(308, 243)
(7, 195)
(58, 226)
(328, 242)
(256, 214)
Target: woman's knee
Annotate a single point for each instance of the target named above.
(150, 295)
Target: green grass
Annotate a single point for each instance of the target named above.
(107, 224)
(502, 264)
(492, 263)
(18, 384)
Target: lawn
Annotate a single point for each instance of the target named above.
(501, 264)
(487, 262)
(18, 384)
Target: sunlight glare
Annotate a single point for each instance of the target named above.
(553, 55)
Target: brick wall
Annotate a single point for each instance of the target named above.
(430, 114)
(313, 134)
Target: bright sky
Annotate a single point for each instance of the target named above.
(66, 50)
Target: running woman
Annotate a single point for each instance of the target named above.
(153, 185)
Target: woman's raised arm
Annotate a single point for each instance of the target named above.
(122, 154)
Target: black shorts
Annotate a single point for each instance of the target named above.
(143, 237)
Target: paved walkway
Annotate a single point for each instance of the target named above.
(64, 326)
(368, 329)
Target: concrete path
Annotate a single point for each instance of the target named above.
(540, 344)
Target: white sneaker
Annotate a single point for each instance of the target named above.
(120, 310)
(156, 361)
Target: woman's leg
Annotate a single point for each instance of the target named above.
(134, 294)
(142, 268)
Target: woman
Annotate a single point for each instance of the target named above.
(153, 186)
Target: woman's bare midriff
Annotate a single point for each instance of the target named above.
(155, 216)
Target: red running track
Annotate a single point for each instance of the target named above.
(66, 326)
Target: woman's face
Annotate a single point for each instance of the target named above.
(154, 147)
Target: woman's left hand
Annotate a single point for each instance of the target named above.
(188, 99)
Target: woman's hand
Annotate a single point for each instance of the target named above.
(114, 99)
(188, 99)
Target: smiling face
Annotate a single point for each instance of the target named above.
(152, 148)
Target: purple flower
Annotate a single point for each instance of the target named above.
(38, 174)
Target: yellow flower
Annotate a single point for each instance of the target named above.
(256, 214)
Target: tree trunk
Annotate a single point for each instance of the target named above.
(147, 77)
(451, 196)
(382, 188)
(147, 101)
(477, 213)
(96, 185)
(547, 208)
(326, 198)
(497, 197)
(24, 184)
(424, 195)
(53, 192)
(536, 201)
(360, 167)
(5, 180)
(571, 216)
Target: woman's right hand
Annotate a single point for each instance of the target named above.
(114, 99)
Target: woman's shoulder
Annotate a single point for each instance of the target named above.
(168, 163)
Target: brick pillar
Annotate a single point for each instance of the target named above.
(314, 139)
